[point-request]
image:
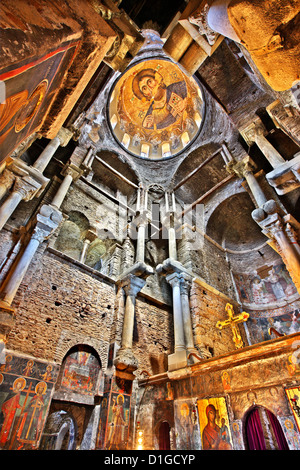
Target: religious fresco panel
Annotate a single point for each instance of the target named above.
(186, 425)
(293, 395)
(273, 286)
(81, 373)
(113, 429)
(214, 424)
(26, 387)
(272, 302)
(30, 87)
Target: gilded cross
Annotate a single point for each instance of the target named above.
(232, 321)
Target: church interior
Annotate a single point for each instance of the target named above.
(150, 225)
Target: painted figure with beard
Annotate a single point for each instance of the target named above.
(167, 103)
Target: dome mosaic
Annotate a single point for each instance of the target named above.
(155, 110)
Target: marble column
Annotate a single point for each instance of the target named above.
(244, 169)
(23, 189)
(71, 173)
(179, 358)
(185, 287)
(169, 222)
(47, 220)
(62, 139)
(266, 215)
(125, 359)
(282, 239)
(256, 133)
(142, 221)
(28, 180)
(90, 236)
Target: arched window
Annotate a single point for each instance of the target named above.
(263, 431)
(80, 372)
(164, 436)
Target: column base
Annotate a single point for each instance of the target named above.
(125, 360)
(7, 319)
(177, 360)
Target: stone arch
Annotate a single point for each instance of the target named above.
(262, 430)
(71, 234)
(60, 432)
(231, 224)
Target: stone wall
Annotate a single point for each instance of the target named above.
(207, 308)
(57, 309)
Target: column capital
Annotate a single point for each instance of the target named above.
(174, 279)
(26, 186)
(241, 167)
(47, 221)
(72, 170)
(132, 285)
(250, 133)
(185, 283)
(64, 135)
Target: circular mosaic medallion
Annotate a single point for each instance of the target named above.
(155, 110)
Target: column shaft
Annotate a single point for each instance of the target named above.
(255, 188)
(271, 154)
(172, 243)
(18, 274)
(8, 207)
(179, 343)
(62, 191)
(186, 315)
(128, 324)
(140, 248)
(43, 160)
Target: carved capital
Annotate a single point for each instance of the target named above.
(199, 18)
(254, 130)
(185, 283)
(125, 360)
(27, 187)
(47, 221)
(132, 285)
(242, 167)
(72, 170)
(174, 279)
(64, 135)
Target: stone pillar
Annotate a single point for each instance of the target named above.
(255, 133)
(71, 173)
(62, 139)
(47, 220)
(244, 169)
(282, 239)
(90, 236)
(185, 287)
(29, 180)
(125, 359)
(266, 215)
(169, 223)
(179, 358)
(142, 221)
(24, 189)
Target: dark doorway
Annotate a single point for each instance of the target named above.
(164, 436)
